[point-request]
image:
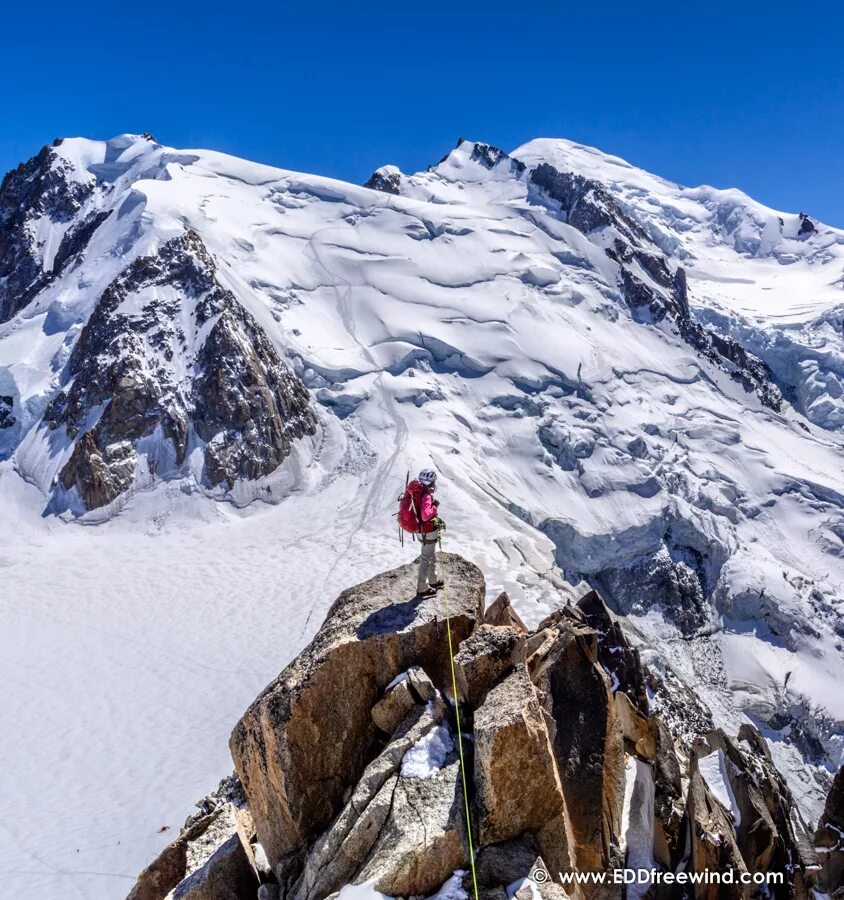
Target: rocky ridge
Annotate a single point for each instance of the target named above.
(44, 187)
(169, 355)
(348, 772)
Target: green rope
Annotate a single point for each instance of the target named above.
(459, 735)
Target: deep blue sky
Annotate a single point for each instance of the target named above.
(740, 94)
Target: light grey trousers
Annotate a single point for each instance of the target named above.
(427, 561)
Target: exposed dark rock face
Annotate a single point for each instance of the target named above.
(587, 205)
(645, 280)
(672, 700)
(659, 578)
(807, 226)
(829, 838)
(76, 239)
(7, 405)
(589, 749)
(385, 179)
(351, 773)
(640, 295)
(832, 820)
(615, 654)
(748, 370)
(507, 862)
(246, 393)
(668, 799)
(99, 473)
(167, 347)
(490, 156)
(42, 187)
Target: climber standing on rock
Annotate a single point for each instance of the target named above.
(419, 514)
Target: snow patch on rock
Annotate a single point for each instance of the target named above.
(429, 754)
(715, 773)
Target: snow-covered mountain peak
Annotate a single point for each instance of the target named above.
(106, 160)
(476, 161)
(590, 162)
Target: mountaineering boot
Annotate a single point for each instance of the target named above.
(436, 585)
(428, 592)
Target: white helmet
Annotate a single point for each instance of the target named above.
(427, 476)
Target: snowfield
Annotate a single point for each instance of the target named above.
(462, 323)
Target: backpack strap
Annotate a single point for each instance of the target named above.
(417, 512)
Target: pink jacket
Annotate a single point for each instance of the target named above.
(427, 512)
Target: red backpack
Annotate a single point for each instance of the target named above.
(409, 507)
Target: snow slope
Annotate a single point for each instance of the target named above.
(463, 322)
(738, 254)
